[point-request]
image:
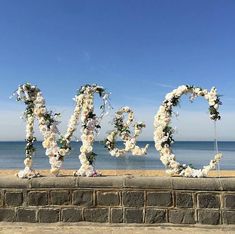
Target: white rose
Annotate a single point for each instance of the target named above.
(170, 172)
(188, 172)
(197, 91)
(197, 173)
(112, 152)
(28, 162)
(164, 160)
(182, 88)
(211, 102)
(62, 152)
(174, 164)
(218, 156)
(216, 106)
(169, 96)
(158, 146)
(206, 96)
(126, 108)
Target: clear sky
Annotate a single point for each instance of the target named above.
(138, 50)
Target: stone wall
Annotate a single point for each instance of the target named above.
(119, 199)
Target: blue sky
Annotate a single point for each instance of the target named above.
(138, 50)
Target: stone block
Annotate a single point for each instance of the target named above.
(1, 198)
(228, 184)
(53, 182)
(100, 215)
(184, 200)
(209, 217)
(182, 216)
(208, 200)
(37, 198)
(48, 215)
(100, 182)
(229, 217)
(105, 198)
(134, 215)
(60, 197)
(148, 182)
(162, 199)
(155, 215)
(13, 198)
(201, 184)
(7, 215)
(82, 198)
(71, 215)
(26, 215)
(116, 215)
(229, 201)
(133, 198)
(11, 181)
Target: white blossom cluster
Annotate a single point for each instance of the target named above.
(122, 130)
(163, 134)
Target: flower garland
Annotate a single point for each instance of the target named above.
(90, 126)
(163, 135)
(56, 148)
(123, 131)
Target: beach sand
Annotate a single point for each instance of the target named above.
(90, 228)
(222, 173)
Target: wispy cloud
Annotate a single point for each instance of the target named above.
(164, 85)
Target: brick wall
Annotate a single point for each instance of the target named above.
(148, 200)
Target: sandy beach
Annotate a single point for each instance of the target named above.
(222, 173)
(60, 228)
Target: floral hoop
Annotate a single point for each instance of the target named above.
(163, 134)
(123, 131)
(56, 148)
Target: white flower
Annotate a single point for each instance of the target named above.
(197, 173)
(158, 146)
(28, 162)
(216, 106)
(112, 152)
(188, 172)
(182, 89)
(62, 152)
(218, 156)
(197, 91)
(211, 102)
(159, 133)
(169, 96)
(164, 160)
(110, 138)
(174, 164)
(126, 109)
(170, 172)
(55, 162)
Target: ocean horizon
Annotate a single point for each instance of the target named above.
(196, 153)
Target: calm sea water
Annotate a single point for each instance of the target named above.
(195, 153)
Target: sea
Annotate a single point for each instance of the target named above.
(196, 153)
